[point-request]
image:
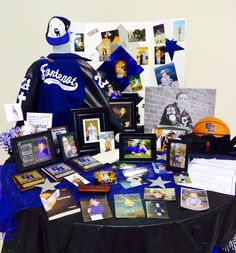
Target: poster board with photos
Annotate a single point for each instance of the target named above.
(162, 106)
(146, 49)
(33, 151)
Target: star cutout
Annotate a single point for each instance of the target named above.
(171, 47)
(47, 186)
(158, 182)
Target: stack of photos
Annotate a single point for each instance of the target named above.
(167, 194)
(76, 179)
(156, 209)
(96, 208)
(128, 206)
(58, 171)
(106, 141)
(86, 163)
(194, 199)
(28, 180)
(182, 178)
(105, 177)
(134, 177)
(166, 133)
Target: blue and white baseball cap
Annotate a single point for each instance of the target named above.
(57, 31)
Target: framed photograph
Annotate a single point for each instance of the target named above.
(166, 133)
(177, 155)
(137, 147)
(89, 122)
(33, 151)
(68, 145)
(125, 110)
(58, 171)
(56, 132)
(86, 163)
(27, 180)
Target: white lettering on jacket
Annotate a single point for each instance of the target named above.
(50, 76)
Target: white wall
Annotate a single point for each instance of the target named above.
(211, 44)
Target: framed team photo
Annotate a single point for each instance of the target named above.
(177, 155)
(125, 110)
(137, 147)
(88, 123)
(69, 145)
(33, 151)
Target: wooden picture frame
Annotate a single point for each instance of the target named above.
(177, 155)
(137, 147)
(33, 151)
(88, 123)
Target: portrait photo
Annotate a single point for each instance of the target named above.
(159, 53)
(112, 90)
(177, 155)
(142, 55)
(179, 30)
(156, 209)
(91, 129)
(79, 42)
(106, 141)
(135, 83)
(166, 75)
(137, 35)
(181, 107)
(104, 50)
(159, 34)
(68, 145)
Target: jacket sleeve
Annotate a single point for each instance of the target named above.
(27, 95)
(94, 96)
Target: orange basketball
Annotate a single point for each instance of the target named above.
(211, 125)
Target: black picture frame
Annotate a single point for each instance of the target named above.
(69, 141)
(33, 151)
(82, 118)
(56, 132)
(177, 155)
(126, 111)
(131, 151)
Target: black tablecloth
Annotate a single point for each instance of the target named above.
(186, 231)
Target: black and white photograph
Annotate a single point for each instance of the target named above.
(181, 107)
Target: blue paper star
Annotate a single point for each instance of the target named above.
(171, 47)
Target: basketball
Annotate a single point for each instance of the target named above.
(211, 125)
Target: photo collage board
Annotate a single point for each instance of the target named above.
(133, 55)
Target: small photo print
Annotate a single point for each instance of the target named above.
(128, 206)
(160, 55)
(91, 130)
(95, 208)
(13, 112)
(137, 35)
(121, 69)
(142, 55)
(137, 148)
(133, 181)
(179, 30)
(79, 42)
(112, 91)
(110, 36)
(182, 178)
(164, 135)
(194, 199)
(178, 153)
(105, 177)
(68, 145)
(167, 194)
(156, 209)
(76, 179)
(104, 52)
(159, 34)
(135, 83)
(106, 141)
(166, 75)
